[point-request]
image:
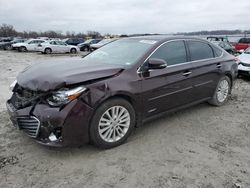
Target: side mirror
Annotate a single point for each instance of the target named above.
(154, 63)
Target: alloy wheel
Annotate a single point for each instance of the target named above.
(222, 91)
(114, 124)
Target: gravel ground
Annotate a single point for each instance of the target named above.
(203, 146)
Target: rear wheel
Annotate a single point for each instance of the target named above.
(22, 49)
(8, 47)
(73, 51)
(112, 123)
(222, 92)
(47, 51)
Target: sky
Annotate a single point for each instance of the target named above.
(126, 16)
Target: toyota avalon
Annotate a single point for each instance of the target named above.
(103, 96)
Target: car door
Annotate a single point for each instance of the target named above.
(166, 89)
(31, 45)
(53, 46)
(59, 47)
(207, 68)
(64, 47)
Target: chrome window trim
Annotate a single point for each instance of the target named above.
(138, 70)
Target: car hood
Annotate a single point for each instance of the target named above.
(53, 75)
(244, 58)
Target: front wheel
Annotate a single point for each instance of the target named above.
(112, 123)
(85, 49)
(73, 51)
(222, 92)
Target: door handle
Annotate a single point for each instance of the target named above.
(218, 65)
(187, 73)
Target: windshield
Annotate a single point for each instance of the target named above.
(122, 52)
(27, 41)
(247, 51)
(87, 41)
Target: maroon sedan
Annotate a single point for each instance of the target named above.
(102, 97)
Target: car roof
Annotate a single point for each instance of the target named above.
(162, 38)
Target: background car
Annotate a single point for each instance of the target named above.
(85, 46)
(244, 63)
(8, 45)
(4, 41)
(101, 43)
(56, 46)
(242, 44)
(226, 46)
(212, 38)
(29, 45)
(73, 41)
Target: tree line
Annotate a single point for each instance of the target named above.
(7, 30)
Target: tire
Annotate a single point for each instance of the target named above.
(47, 51)
(105, 134)
(22, 49)
(8, 47)
(73, 51)
(222, 92)
(85, 49)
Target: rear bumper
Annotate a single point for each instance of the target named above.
(69, 125)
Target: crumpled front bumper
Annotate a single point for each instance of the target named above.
(70, 124)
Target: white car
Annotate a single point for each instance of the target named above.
(244, 65)
(29, 45)
(56, 46)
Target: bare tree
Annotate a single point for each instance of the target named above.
(94, 34)
(7, 31)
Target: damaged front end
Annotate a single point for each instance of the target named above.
(49, 123)
(24, 99)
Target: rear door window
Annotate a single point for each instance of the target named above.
(199, 50)
(172, 52)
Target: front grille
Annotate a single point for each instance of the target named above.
(29, 124)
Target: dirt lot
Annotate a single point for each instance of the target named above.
(203, 146)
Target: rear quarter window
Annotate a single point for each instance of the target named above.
(199, 50)
(217, 51)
